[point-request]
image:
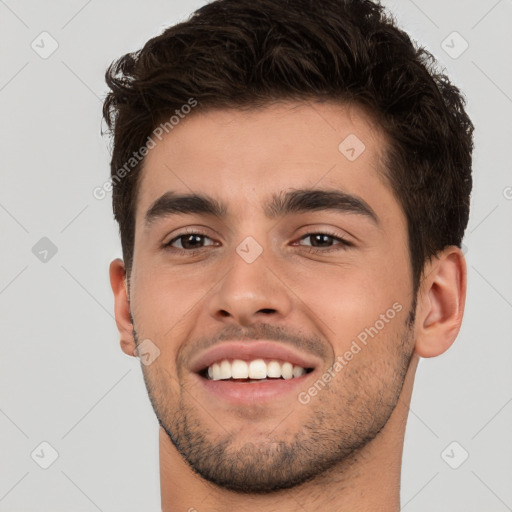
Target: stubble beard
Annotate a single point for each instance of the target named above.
(343, 419)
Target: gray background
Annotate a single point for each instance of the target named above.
(63, 377)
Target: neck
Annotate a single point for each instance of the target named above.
(369, 481)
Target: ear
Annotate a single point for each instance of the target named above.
(441, 301)
(122, 306)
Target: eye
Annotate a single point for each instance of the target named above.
(189, 241)
(325, 242)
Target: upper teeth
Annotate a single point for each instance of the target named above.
(256, 369)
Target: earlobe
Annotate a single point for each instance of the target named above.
(122, 306)
(441, 301)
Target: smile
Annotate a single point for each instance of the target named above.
(254, 370)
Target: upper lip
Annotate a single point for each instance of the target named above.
(249, 350)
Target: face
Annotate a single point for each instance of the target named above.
(275, 299)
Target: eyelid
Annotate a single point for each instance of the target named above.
(337, 237)
(341, 242)
(339, 234)
(187, 231)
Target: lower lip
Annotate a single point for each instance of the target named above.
(244, 393)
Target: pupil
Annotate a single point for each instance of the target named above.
(325, 239)
(188, 241)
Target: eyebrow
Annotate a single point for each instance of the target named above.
(284, 203)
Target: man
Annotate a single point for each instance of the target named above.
(291, 182)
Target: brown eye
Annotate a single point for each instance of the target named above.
(189, 241)
(321, 240)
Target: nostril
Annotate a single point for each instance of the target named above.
(267, 310)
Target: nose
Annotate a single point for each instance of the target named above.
(251, 292)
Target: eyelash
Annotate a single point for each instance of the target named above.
(344, 244)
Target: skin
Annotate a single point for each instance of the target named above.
(342, 450)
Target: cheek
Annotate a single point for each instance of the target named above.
(346, 301)
(162, 298)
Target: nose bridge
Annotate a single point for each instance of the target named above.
(250, 288)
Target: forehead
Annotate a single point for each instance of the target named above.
(242, 158)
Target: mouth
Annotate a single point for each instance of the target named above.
(255, 370)
(247, 383)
